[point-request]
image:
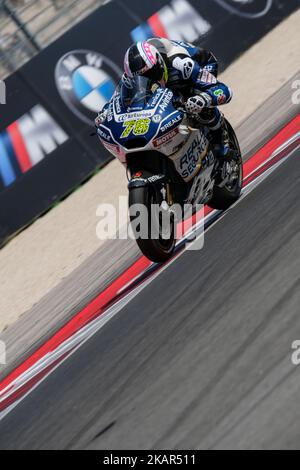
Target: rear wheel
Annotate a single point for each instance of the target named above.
(227, 195)
(155, 237)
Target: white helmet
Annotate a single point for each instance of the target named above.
(144, 59)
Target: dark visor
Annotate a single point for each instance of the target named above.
(156, 73)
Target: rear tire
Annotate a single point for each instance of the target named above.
(225, 197)
(156, 250)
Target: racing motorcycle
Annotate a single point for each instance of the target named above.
(169, 161)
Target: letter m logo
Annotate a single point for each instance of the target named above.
(2, 92)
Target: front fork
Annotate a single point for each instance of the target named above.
(159, 182)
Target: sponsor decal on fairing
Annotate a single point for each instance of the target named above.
(136, 115)
(190, 163)
(165, 138)
(171, 123)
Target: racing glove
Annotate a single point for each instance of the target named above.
(196, 104)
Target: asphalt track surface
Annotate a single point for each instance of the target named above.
(201, 358)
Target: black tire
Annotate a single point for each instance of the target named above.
(156, 250)
(225, 197)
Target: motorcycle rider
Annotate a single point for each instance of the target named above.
(190, 70)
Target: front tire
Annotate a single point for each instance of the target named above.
(157, 250)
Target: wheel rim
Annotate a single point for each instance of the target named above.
(165, 244)
(236, 164)
(236, 176)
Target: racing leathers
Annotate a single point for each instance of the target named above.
(193, 72)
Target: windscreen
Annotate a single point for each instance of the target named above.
(136, 96)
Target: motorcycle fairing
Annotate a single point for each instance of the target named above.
(188, 160)
(142, 122)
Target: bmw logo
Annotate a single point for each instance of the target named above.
(251, 9)
(86, 81)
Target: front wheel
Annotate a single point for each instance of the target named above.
(226, 195)
(154, 230)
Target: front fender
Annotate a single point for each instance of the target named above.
(143, 180)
